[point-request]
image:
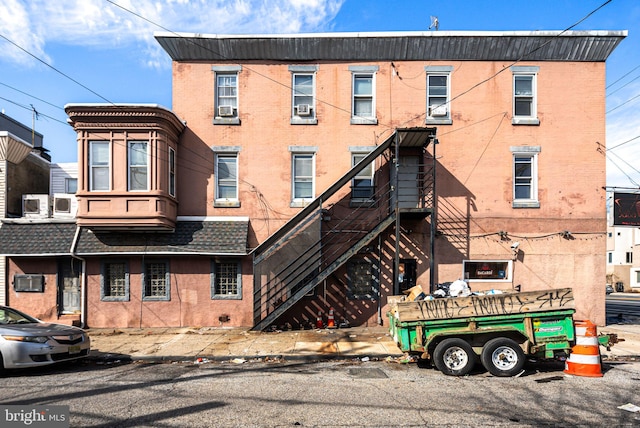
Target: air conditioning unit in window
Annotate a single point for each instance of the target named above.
(225, 111)
(439, 111)
(303, 109)
(35, 206)
(64, 205)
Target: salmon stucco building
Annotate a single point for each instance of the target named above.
(300, 175)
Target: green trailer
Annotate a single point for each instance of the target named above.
(500, 330)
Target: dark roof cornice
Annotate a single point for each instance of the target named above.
(594, 46)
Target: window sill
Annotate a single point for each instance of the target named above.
(226, 121)
(300, 121)
(443, 121)
(362, 203)
(364, 121)
(226, 297)
(300, 204)
(156, 299)
(525, 204)
(114, 299)
(226, 204)
(525, 121)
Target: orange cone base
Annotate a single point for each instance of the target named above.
(578, 369)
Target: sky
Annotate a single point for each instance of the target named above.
(54, 53)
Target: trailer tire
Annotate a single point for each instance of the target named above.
(502, 357)
(454, 357)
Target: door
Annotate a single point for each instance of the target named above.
(406, 274)
(408, 192)
(69, 286)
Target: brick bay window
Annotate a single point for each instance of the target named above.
(226, 279)
(114, 281)
(155, 280)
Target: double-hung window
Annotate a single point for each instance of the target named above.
(115, 281)
(438, 94)
(226, 94)
(303, 109)
(363, 100)
(138, 165)
(172, 172)
(362, 185)
(302, 175)
(70, 185)
(155, 281)
(99, 165)
(226, 173)
(525, 110)
(525, 176)
(226, 280)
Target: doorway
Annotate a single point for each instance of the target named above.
(69, 285)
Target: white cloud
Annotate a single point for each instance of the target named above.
(100, 23)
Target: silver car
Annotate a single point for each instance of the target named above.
(27, 342)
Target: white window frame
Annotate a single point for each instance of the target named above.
(508, 271)
(296, 72)
(530, 72)
(171, 174)
(226, 100)
(439, 71)
(230, 182)
(363, 72)
(93, 167)
(131, 166)
(298, 153)
(518, 154)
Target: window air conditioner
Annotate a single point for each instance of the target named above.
(64, 205)
(35, 206)
(225, 111)
(303, 109)
(440, 110)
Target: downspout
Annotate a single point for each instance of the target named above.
(396, 260)
(83, 295)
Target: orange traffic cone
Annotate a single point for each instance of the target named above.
(331, 320)
(319, 322)
(585, 355)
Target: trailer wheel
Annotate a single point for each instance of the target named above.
(454, 357)
(502, 357)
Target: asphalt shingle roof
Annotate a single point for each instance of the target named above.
(190, 237)
(36, 238)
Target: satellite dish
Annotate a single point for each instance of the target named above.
(434, 23)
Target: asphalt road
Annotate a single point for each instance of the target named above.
(622, 306)
(347, 393)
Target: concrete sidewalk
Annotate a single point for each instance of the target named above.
(216, 344)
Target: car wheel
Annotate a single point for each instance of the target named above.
(502, 357)
(454, 357)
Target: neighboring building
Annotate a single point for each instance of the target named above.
(302, 173)
(623, 258)
(24, 177)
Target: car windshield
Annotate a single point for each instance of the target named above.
(11, 316)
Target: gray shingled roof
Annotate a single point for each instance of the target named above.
(190, 237)
(36, 239)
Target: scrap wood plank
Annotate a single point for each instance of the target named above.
(486, 305)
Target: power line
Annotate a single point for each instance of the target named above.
(54, 69)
